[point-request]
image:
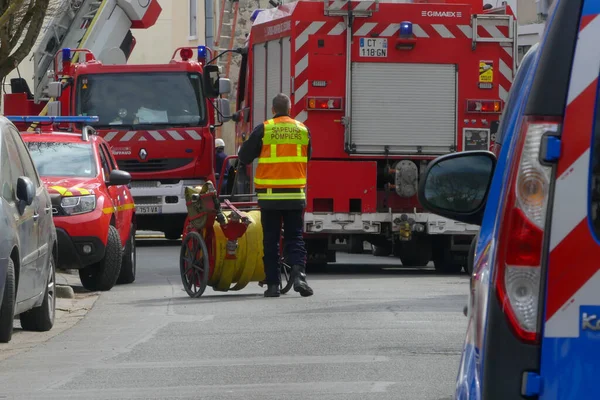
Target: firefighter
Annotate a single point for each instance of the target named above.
(220, 157)
(282, 146)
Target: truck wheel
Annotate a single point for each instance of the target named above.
(445, 260)
(104, 274)
(7, 309)
(415, 252)
(128, 265)
(41, 319)
(356, 245)
(381, 251)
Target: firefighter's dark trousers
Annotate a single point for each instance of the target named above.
(294, 249)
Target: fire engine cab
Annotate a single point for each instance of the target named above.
(384, 87)
(158, 119)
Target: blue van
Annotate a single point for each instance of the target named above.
(534, 312)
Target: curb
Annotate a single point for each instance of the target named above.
(64, 292)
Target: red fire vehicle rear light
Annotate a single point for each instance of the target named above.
(324, 103)
(519, 255)
(484, 106)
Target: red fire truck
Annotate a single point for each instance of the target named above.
(384, 87)
(157, 118)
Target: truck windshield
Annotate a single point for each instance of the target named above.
(145, 98)
(63, 159)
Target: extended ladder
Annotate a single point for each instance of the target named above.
(226, 32)
(68, 28)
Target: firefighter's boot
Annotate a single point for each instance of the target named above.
(272, 290)
(300, 284)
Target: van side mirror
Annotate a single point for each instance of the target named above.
(224, 110)
(211, 81)
(25, 190)
(118, 177)
(456, 185)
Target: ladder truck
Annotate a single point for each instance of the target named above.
(159, 119)
(384, 87)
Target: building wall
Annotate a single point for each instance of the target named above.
(527, 12)
(531, 25)
(243, 26)
(188, 23)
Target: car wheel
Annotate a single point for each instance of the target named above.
(41, 319)
(128, 265)
(104, 274)
(7, 310)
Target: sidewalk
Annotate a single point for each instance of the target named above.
(69, 311)
(67, 278)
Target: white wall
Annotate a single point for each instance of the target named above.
(154, 45)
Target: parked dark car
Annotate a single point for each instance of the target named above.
(28, 246)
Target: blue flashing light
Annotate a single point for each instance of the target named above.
(255, 14)
(201, 52)
(66, 54)
(56, 120)
(406, 29)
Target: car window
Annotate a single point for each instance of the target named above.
(8, 183)
(27, 163)
(63, 159)
(105, 165)
(513, 93)
(16, 167)
(108, 156)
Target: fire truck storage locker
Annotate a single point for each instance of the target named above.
(405, 106)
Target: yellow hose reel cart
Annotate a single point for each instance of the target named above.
(222, 249)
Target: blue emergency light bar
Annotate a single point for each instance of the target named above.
(202, 52)
(55, 120)
(406, 29)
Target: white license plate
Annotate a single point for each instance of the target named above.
(148, 209)
(370, 47)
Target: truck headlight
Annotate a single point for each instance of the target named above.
(78, 204)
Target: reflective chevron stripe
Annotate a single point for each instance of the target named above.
(574, 276)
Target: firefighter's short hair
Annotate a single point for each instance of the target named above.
(281, 104)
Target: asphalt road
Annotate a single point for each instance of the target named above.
(367, 333)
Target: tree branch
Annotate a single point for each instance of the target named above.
(21, 28)
(14, 6)
(39, 14)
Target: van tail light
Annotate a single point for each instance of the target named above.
(324, 103)
(484, 106)
(518, 263)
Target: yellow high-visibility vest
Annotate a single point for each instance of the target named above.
(283, 160)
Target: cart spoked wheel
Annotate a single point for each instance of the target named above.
(286, 282)
(193, 264)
